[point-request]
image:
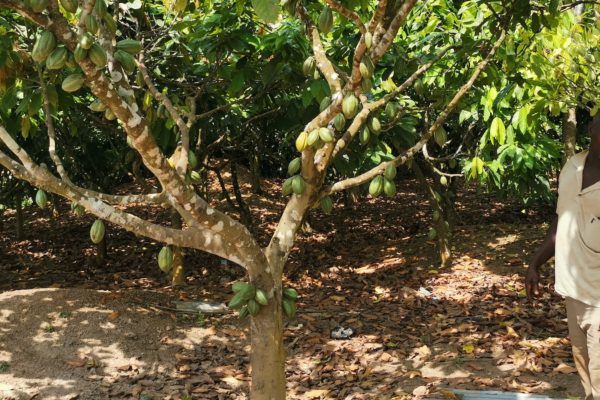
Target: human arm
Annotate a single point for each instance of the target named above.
(541, 256)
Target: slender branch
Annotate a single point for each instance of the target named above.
(378, 15)
(323, 63)
(408, 154)
(351, 15)
(52, 133)
(364, 113)
(388, 37)
(182, 162)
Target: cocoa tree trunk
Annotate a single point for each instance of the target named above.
(569, 129)
(101, 251)
(255, 174)
(19, 228)
(267, 357)
(178, 272)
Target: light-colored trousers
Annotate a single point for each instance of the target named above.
(584, 330)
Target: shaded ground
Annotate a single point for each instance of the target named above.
(419, 329)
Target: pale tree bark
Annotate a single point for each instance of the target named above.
(208, 229)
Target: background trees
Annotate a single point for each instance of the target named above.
(98, 93)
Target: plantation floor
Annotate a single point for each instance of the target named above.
(71, 327)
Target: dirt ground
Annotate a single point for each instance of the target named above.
(72, 328)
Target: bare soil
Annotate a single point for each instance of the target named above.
(72, 327)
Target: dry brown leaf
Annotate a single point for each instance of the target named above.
(565, 369)
(113, 315)
(316, 393)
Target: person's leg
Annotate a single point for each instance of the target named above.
(591, 324)
(579, 343)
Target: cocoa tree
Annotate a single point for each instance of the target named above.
(356, 95)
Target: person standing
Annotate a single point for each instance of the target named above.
(574, 240)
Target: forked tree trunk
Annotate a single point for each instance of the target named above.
(569, 129)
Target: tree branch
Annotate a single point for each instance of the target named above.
(364, 113)
(388, 37)
(351, 15)
(182, 162)
(401, 159)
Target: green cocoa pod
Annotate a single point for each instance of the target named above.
(391, 110)
(91, 24)
(86, 40)
(287, 186)
(290, 293)
(126, 60)
(374, 125)
(100, 8)
(110, 24)
(419, 87)
(440, 136)
(436, 216)
(368, 40)
(243, 313)
(41, 199)
(366, 85)
(109, 114)
(325, 135)
(261, 297)
(302, 141)
(98, 106)
(130, 46)
(98, 55)
(452, 163)
(70, 63)
(195, 177)
(390, 172)
(38, 5)
(80, 54)
(365, 135)
(248, 292)
(52, 95)
(253, 307)
(364, 71)
(192, 160)
(237, 301)
(444, 181)
(298, 185)
(376, 186)
(58, 58)
(326, 20)
(389, 188)
(316, 74)
(432, 234)
(45, 43)
(289, 308)
(25, 126)
(313, 137)
(309, 66)
(72, 83)
(339, 122)
(165, 259)
(69, 5)
(238, 286)
(97, 231)
(324, 103)
(350, 106)
(327, 205)
(294, 166)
